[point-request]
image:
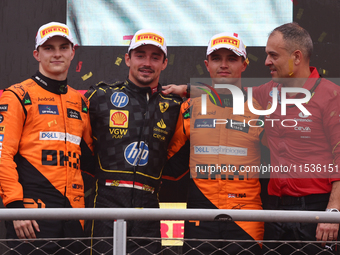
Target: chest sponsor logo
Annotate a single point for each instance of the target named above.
(119, 118)
(225, 150)
(137, 154)
(59, 136)
(304, 118)
(118, 133)
(60, 158)
(73, 114)
(3, 107)
(237, 125)
(1, 138)
(2, 129)
(51, 99)
(0, 146)
(302, 129)
(48, 109)
(1, 118)
(119, 99)
(70, 102)
(161, 124)
(163, 106)
(208, 113)
(204, 123)
(302, 115)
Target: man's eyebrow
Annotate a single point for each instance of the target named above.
(271, 52)
(155, 53)
(139, 51)
(214, 55)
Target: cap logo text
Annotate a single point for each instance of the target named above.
(150, 36)
(225, 40)
(52, 29)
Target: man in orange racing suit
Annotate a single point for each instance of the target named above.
(224, 154)
(43, 125)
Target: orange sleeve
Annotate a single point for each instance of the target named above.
(179, 148)
(12, 121)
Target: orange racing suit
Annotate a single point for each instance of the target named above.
(224, 161)
(43, 124)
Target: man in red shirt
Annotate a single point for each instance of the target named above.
(305, 149)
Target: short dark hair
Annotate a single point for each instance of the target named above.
(296, 38)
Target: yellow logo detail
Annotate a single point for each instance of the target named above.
(119, 118)
(52, 29)
(161, 124)
(163, 106)
(151, 37)
(225, 40)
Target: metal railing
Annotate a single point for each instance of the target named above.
(122, 214)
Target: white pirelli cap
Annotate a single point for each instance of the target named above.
(230, 41)
(51, 29)
(148, 36)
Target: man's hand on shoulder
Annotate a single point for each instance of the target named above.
(25, 228)
(180, 90)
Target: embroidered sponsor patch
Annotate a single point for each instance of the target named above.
(48, 109)
(225, 150)
(119, 118)
(3, 107)
(119, 99)
(238, 125)
(73, 114)
(204, 123)
(60, 136)
(137, 154)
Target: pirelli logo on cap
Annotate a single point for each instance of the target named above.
(150, 36)
(52, 29)
(225, 40)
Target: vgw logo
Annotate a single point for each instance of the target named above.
(238, 99)
(137, 155)
(119, 99)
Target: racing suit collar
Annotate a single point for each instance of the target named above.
(225, 100)
(54, 86)
(138, 89)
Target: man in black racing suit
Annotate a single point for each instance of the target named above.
(132, 126)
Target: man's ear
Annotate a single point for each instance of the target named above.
(127, 59)
(207, 65)
(36, 55)
(297, 57)
(165, 63)
(245, 64)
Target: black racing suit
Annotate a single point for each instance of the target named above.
(132, 127)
